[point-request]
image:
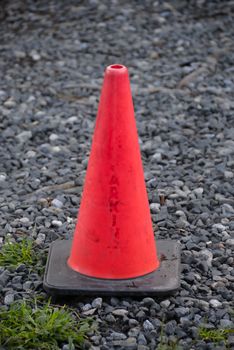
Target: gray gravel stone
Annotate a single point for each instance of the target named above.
(118, 336)
(57, 203)
(27, 285)
(89, 312)
(165, 303)
(141, 339)
(140, 314)
(24, 136)
(207, 255)
(170, 327)
(9, 299)
(134, 332)
(130, 343)
(148, 301)
(148, 326)
(203, 305)
(57, 223)
(86, 307)
(4, 278)
(215, 303)
(97, 303)
(181, 311)
(219, 227)
(230, 242)
(3, 177)
(132, 322)
(155, 208)
(120, 312)
(110, 318)
(40, 238)
(226, 324)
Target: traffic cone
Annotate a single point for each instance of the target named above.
(113, 249)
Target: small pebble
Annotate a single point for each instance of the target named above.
(97, 303)
(9, 299)
(215, 303)
(165, 303)
(148, 326)
(57, 223)
(57, 203)
(120, 312)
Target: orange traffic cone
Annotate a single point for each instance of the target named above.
(113, 242)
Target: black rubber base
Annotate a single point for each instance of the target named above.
(59, 279)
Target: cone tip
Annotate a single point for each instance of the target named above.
(116, 69)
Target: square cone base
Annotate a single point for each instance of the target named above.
(60, 279)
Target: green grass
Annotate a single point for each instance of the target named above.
(41, 327)
(215, 335)
(14, 254)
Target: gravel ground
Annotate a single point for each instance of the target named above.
(180, 57)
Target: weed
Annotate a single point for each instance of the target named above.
(14, 254)
(41, 327)
(215, 335)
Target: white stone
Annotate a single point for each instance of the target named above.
(57, 223)
(157, 157)
(57, 203)
(225, 236)
(56, 149)
(215, 303)
(30, 154)
(198, 191)
(31, 99)
(148, 326)
(97, 303)
(155, 207)
(3, 177)
(35, 55)
(24, 220)
(9, 299)
(40, 238)
(53, 137)
(227, 208)
(90, 312)
(165, 303)
(207, 255)
(72, 119)
(230, 242)
(228, 174)
(180, 213)
(9, 103)
(120, 312)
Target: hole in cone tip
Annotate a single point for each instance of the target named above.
(116, 66)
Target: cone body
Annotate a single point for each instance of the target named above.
(114, 237)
